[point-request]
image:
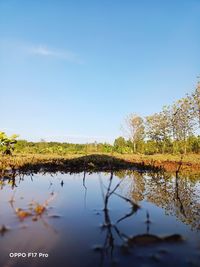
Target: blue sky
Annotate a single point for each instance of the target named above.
(73, 70)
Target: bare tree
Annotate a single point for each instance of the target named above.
(134, 127)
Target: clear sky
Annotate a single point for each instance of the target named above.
(73, 70)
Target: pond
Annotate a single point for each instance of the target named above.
(125, 218)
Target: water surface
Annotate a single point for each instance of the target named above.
(124, 218)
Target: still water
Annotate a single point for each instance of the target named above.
(100, 219)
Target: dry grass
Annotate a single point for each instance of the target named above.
(167, 162)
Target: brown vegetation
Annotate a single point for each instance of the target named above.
(98, 162)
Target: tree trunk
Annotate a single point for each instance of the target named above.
(185, 147)
(134, 147)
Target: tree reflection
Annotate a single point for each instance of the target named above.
(176, 193)
(111, 229)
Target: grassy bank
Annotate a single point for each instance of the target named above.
(99, 162)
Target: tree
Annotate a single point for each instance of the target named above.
(182, 120)
(158, 127)
(119, 144)
(196, 102)
(134, 126)
(7, 143)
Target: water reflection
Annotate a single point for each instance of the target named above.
(100, 219)
(177, 194)
(109, 227)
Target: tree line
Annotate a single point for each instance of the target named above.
(172, 130)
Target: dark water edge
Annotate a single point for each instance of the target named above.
(122, 218)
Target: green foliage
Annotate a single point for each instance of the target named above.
(57, 148)
(151, 147)
(120, 144)
(7, 144)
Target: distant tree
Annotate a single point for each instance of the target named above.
(119, 144)
(158, 127)
(134, 127)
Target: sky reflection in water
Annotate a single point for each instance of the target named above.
(79, 228)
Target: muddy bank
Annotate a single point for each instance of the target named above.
(167, 165)
(89, 163)
(94, 163)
